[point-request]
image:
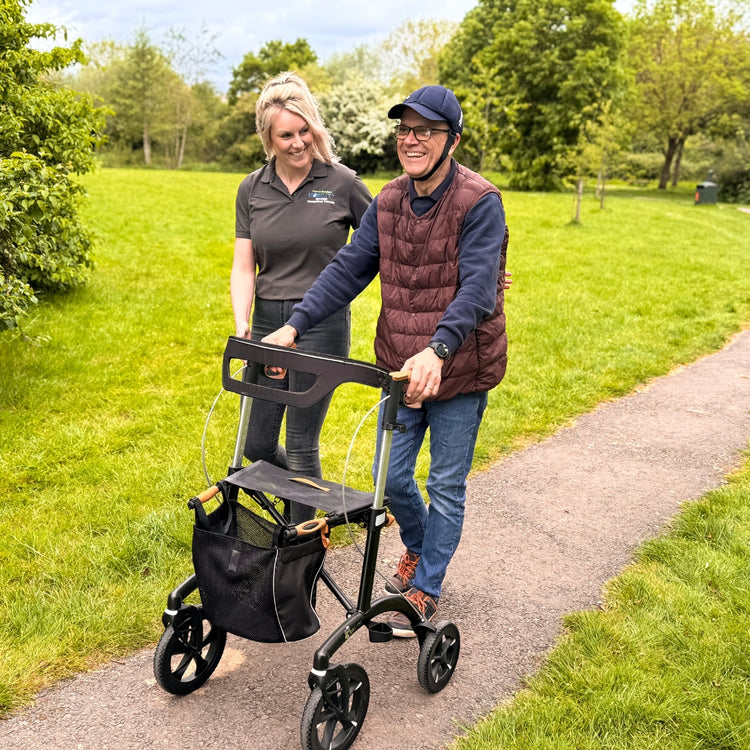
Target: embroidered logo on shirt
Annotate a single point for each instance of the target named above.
(321, 196)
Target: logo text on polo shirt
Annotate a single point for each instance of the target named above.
(321, 196)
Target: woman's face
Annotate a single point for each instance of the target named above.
(291, 140)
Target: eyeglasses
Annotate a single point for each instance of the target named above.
(421, 133)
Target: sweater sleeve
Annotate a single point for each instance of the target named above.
(360, 199)
(348, 274)
(479, 259)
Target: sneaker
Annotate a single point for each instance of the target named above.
(401, 581)
(422, 602)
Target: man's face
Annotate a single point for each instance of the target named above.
(419, 157)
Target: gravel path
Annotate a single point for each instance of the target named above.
(545, 529)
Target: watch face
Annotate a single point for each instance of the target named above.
(440, 349)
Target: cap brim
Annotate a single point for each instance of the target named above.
(395, 112)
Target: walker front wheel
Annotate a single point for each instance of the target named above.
(438, 656)
(188, 651)
(334, 714)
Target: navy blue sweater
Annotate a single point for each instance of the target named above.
(357, 264)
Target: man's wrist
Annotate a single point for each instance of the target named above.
(440, 349)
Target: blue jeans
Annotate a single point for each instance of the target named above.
(303, 426)
(433, 531)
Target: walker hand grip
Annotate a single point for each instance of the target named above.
(310, 527)
(206, 495)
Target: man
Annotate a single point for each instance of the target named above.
(437, 236)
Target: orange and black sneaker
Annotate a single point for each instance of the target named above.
(423, 603)
(401, 581)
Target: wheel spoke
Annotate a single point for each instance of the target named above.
(179, 672)
(182, 646)
(208, 638)
(200, 663)
(329, 733)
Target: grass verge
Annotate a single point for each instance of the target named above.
(665, 664)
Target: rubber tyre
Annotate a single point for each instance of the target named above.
(322, 728)
(438, 656)
(188, 652)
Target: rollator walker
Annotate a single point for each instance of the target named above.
(257, 574)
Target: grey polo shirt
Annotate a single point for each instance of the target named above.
(295, 236)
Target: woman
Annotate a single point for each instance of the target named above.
(292, 216)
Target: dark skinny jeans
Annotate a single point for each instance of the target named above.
(301, 453)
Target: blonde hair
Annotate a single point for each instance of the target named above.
(288, 91)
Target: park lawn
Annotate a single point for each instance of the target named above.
(103, 403)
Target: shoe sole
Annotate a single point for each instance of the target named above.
(404, 631)
(401, 629)
(391, 589)
(399, 633)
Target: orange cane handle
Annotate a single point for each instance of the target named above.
(206, 495)
(310, 527)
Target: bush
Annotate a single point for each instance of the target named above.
(734, 185)
(247, 155)
(43, 246)
(47, 135)
(635, 167)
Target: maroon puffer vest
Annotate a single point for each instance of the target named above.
(419, 278)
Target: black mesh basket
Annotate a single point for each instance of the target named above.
(250, 583)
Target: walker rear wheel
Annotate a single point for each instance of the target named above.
(188, 651)
(438, 656)
(333, 716)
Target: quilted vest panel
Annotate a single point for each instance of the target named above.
(419, 277)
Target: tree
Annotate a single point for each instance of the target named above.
(172, 111)
(364, 61)
(141, 82)
(410, 54)
(47, 135)
(355, 115)
(532, 73)
(273, 57)
(602, 143)
(238, 144)
(190, 58)
(692, 72)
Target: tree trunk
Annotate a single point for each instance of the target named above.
(146, 145)
(579, 197)
(182, 140)
(666, 170)
(677, 162)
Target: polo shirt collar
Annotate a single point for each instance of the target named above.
(318, 169)
(426, 202)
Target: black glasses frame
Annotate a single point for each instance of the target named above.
(424, 134)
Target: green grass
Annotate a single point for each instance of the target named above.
(102, 415)
(666, 664)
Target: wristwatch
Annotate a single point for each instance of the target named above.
(440, 349)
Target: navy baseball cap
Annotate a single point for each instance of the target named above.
(434, 103)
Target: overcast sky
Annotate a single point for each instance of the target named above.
(329, 26)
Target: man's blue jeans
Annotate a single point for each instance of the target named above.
(433, 531)
(303, 426)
